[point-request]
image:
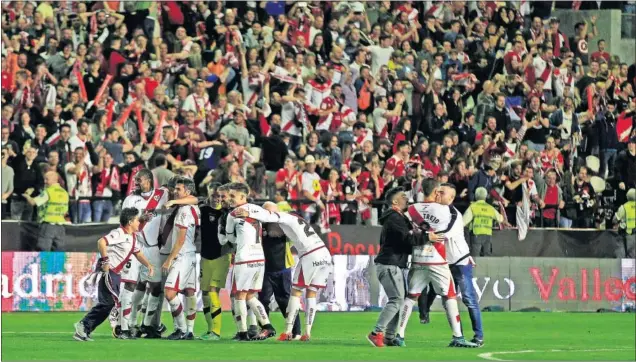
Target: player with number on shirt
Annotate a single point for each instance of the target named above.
(313, 270)
(249, 261)
(147, 200)
(429, 264)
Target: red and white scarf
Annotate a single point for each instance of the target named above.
(109, 177)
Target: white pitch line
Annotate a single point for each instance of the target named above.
(491, 355)
(69, 333)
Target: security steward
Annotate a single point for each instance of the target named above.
(479, 218)
(278, 273)
(53, 207)
(626, 219)
(215, 262)
(396, 244)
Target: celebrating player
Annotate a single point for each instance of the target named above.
(115, 250)
(215, 261)
(429, 264)
(249, 266)
(461, 267)
(146, 199)
(313, 268)
(180, 263)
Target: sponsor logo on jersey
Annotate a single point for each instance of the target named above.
(321, 263)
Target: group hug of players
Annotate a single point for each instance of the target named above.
(152, 258)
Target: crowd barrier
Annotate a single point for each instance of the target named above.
(57, 281)
(360, 240)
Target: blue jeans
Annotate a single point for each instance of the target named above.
(538, 147)
(102, 210)
(564, 222)
(80, 212)
(463, 276)
(606, 155)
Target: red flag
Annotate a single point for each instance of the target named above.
(162, 121)
(80, 84)
(102, 89)
(124, 115)
(624, 126)
(140, 122)
(110, 108)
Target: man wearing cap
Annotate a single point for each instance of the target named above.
(311, 189)
(626, 217)
(236, 130)
(479, 217)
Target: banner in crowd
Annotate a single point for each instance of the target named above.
(361, 240)
(50, 281)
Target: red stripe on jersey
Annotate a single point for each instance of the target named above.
(415, 215)
(119, 267)
(441, 249)
(194, 215)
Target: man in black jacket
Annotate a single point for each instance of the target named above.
(396, 243)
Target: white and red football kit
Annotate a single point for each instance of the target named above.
(428, 262)
(316, 92)
(148, 234)
(249, 259)
(395, 166)
(183, 271)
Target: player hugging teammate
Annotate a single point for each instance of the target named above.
(169, 218)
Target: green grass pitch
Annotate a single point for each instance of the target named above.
(338, 336)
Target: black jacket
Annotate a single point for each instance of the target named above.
(274, 248)
(396, 239)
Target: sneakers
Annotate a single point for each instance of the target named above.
(210, 336)
(460, 342)
(237, 336)
(176, 335)
(80, 333)
(242, 337)
(296, 337)
(116, 331)
(376, 339)
(478, 341)
(305, 338)
(162, 328)
(285, 337)
(425, 319)
(135, 331)
(395, 342)
(252, 332)
(126, 335)
(267, 332)
(188, 336)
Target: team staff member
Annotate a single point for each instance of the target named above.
(278, 274)
(626, 217)
(115, 251)
(396, 243)
(53, 206)
(215, 262)
(479, 217)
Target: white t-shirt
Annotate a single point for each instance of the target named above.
(311, 182)
(379, 57)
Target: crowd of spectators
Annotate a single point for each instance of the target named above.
(316, 101)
